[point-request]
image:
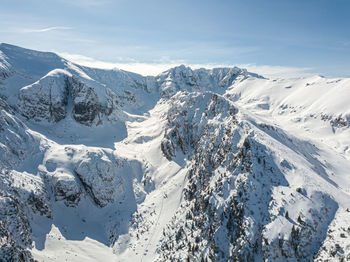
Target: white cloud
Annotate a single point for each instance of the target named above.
(136, 67)
(278, 71)
(156, 68)
(47, 29)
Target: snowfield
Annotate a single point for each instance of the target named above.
(189, 165)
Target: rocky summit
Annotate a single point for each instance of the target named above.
(190, 165)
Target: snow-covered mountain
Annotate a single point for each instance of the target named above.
(189, 165)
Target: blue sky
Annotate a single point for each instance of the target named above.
(293, 36)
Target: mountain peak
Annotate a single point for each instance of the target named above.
(12, 50)
(213, 164)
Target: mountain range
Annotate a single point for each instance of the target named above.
(190, 165)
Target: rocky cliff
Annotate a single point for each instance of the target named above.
(189, 165)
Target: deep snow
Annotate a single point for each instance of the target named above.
(111, 192)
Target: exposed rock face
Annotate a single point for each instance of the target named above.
(47, 98)
(99, 176)
(15, 140)
(92, 101)
(225, 203)
(15, 196)
(30, 188)
(86, 105)
(230, 206)
(189, 118)
(14, 231)
(184, 78)
(203, 172)
(66, 189)
(5, 67)
(21, 196)
(336, 246)
(308, 231)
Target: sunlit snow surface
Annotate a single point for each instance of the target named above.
(134, 192)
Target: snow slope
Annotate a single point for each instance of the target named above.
(196, 165)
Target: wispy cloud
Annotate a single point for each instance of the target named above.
(158, 67)
(88, 3)
(133, 66)
(47, 29)
(274, 71)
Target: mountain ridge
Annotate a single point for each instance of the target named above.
(207, 164)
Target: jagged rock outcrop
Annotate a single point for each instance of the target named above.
(336, 246)
(14, 231)
(184, 78)
(227, 193)
(188, 165)
(66, 188)
(99, 175)
(47, 98)
(304, 237)
(86, 105)
(188, 119)
(15, 140)
(230, 208)
(21, 196)
(5, 67)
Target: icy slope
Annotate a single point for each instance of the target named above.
(213, 165)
